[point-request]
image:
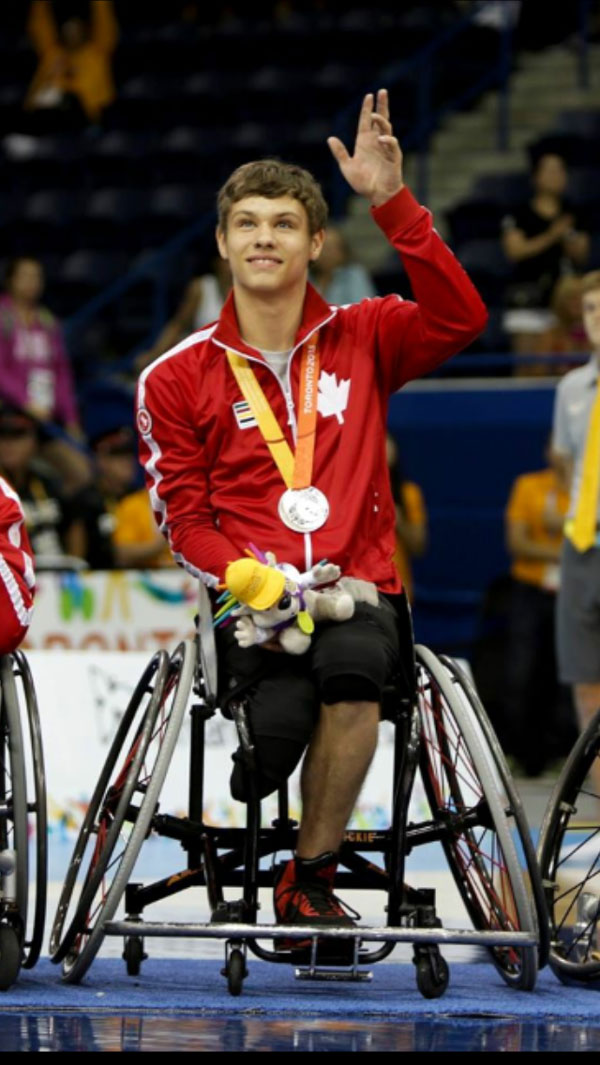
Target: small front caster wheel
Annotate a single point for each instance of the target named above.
(433, 976)
(134, 955)
(235, 972)
(10, 956)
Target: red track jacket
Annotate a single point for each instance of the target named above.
(213, 484)
(16, 571)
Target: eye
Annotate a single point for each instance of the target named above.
(285, 602)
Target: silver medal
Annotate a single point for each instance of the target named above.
(303, 509)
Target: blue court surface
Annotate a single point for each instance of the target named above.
(182, 1004)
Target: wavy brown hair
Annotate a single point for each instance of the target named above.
(272, 178)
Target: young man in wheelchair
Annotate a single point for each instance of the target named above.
(269, 427)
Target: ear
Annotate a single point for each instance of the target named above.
(316, 243)
(221, 242)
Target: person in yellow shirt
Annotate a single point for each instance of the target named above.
(138, 543)
(540, 723)
(411, 518)
(74, 68)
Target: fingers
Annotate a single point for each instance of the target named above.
(364, 119)
(381, 124)
(391, 146)
(383, 105)
(338, 149)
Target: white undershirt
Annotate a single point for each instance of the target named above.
(278, 361)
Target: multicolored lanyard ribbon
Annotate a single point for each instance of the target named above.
(302, 507)
(296, 470)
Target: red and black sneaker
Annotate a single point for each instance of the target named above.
(303, 895)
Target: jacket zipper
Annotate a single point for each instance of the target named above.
(287, 395)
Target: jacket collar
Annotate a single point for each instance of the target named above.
(314, 314)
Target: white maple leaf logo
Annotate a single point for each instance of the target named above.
(332, 397)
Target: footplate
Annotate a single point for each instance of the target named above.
(347, 972)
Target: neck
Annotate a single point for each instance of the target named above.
(24, 308)
(546, 202)
(269, 321)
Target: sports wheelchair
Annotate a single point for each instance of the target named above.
(569, 860)
(441, 731)
(22, 793)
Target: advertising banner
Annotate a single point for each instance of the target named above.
(127, 610)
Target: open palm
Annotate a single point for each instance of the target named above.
(375, 169)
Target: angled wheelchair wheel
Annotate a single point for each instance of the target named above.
(13, 804)
(120, 814)
(569, 858)
(461, 783)
(511, 804)
(23, 690)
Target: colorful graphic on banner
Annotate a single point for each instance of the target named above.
(118, 611)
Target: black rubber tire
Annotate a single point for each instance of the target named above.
(567, 871)
(13, 787)
(236, 972)
(432, 978)
(459, 779)
(133, 955)
(10, 956)
(37, 808)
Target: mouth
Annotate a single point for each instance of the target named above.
(267, 261)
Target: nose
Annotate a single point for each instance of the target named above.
(263, 235)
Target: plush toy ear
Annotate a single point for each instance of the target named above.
(305, 622)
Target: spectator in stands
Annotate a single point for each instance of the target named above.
(340, 280)
(576, 447)
(411, 518)
(35, 374)
(567, 335)
(544, 239)
(202, 302)
(17, 579)
(74, 69)
(120, 531)
(540, 724)
(52, 530)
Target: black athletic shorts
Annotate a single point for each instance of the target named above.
(347, 661)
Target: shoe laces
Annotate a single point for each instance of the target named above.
(318, 893)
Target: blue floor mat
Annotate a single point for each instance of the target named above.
(196, 985)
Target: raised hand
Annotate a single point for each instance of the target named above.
(375, 169)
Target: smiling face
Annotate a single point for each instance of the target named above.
(268, 244)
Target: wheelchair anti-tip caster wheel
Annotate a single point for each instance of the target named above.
(235, 970)
(134, 955)
(10, 956)
(433, 975)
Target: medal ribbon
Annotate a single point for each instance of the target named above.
(296, 470)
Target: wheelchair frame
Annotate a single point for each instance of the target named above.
(444, 734)
(21, 756)
(569, 860)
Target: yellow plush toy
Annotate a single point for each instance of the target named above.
(269, 601)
